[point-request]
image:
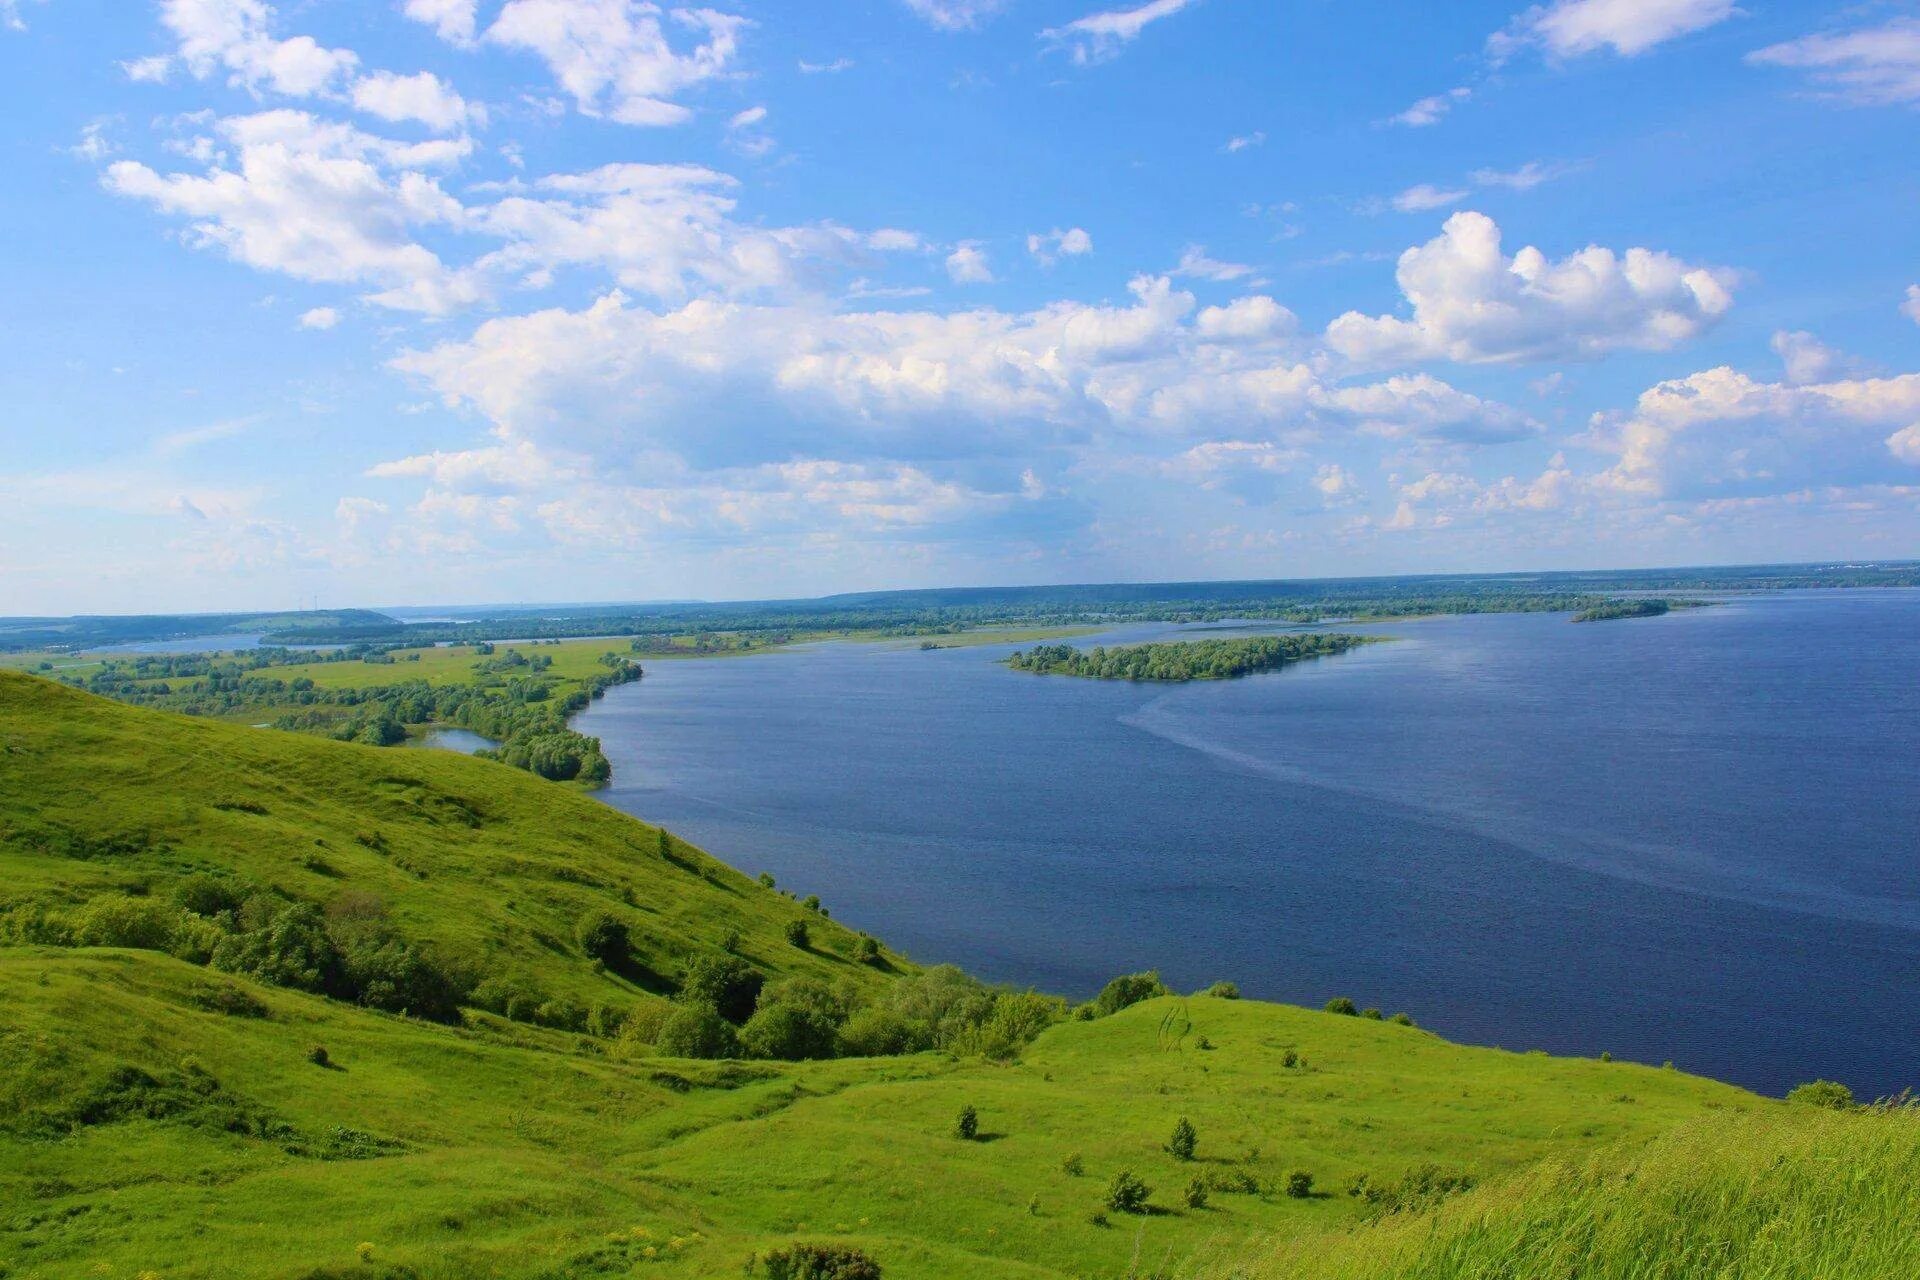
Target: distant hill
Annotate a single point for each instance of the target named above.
(92, 632)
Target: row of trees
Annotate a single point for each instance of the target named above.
(1182, 659)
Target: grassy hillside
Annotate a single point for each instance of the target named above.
(165, 1117)
(492, 864)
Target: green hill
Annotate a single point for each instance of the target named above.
(166, 1113)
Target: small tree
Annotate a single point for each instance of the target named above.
(1299, 1184)
(1822, 1093)
(1195, 1196)
(967, 1127)
(1343, 1006)
(1223, 991)
(867, 950)
(1073, 1166)
(1180, 1146)
(798, 934)
(696, 1031)
(603, 938)
(1127, 1194)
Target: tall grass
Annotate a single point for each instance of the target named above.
(1780, 1194)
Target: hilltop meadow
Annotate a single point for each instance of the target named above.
(276, 1005)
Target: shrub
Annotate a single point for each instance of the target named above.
(1417, 1189)
(230, 1000)
(820, 1262)
(319, 1057)
(1012, 1019)
(1373, 1013)
(1127, 1194)
(967, 1127)
(1822, 1093)
(798, 934)
(1073, 1166)
(1180, 1146)
(1342, 1005)
(876, 1032)
(1299, 1184)
(206, 895)
(1290, 1059)
(1126, 990)
(116, 920)
(696, 1031)
(1223, 991)
(866, 950)
(730, 985)
(793, 1032)
(1195, 1196)
(291, 948)
(1401, 1020)
(604, 938)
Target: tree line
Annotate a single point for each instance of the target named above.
(1180, 660)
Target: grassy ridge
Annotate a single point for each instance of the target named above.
(1777, 1194)
(488, 861)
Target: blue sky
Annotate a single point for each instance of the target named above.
(407, 301)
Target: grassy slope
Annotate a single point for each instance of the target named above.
(489, 859)
(531, 1153)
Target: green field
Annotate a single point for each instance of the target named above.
(165, 1117)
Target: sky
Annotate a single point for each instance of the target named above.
(389, 302)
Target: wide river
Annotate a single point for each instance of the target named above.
(1692, 838)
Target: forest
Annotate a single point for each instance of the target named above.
(1181, 660)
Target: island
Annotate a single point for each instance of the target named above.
(1177, 661)
(1652, 607)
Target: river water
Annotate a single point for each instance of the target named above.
(1692, 838)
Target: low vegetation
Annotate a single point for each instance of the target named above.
(1180, 660)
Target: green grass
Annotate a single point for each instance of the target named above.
(503, 1149)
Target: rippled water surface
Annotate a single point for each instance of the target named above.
(1693, 838)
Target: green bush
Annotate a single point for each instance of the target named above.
(1195, 1196)
(206, 895)
(1127, 1194)
(876, 1032)
(820, 1262)
(1343, 1006)
(697, 1031)
(866, 950)
(116, 920)
(798, 934)
(1073, 1166)
(1180, 1146)
(604, 939)
(1830, 1094)
(967, 1127)
(289, 947)
(1223, 991)
(1126, 990)
(1299, 1184)
(1401, 1020)
(791, 1032)
(729, 984)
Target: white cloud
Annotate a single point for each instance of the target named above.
(1194, 262)
(1570, 28)
(454, 20)
(1431, 110)
(320, 202)
(1048, 247)
(94, 145)
(1102, 35)
(1912, 305)
(1426, 197)
(1528, 176)
(233, 36)
(748, 118)
(1722, 433)
(1871, 66)
(1336, 484)
(1473, 304)
(1806, 359)
(1255, 318)
(10, 19)
(895, 240)
(1245, 142)
(956, 15)
(319, 318)
(968, 264)
(825, 68)
(613, 57)
(423, 96)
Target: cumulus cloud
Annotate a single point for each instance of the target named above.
(1570, 28)
(1474, 304)
(1807, 359)
(968, 264)
(1048, 247)
(317, 201)
(1722, 433)
(235, 37)
(1432, 110)
(1100, 36)
(454, 20)
(614, 57)
(319, 318)
(423, 96)
(1869, 66)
